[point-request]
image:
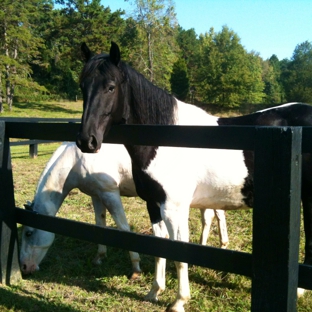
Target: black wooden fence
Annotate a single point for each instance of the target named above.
(273, 265)
(33, 144)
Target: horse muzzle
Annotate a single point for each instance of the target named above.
(89, 144)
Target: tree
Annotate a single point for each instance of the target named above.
(74, 22)
(179, 81)
(297, 74)
(189, 46)
(20, 44)
(228, 75)
(271, 76)
(156, 24)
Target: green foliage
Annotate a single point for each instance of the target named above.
(228, 75)
(156, 48)
(179, 81)
(297, 75)
(20, 45)
(271, 72)
(40, 56)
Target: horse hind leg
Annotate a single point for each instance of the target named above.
(207, 216)
(223, 233)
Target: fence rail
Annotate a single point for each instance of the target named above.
(273, 264)
(33, 144)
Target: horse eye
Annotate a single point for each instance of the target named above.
(111, 89)
(28, 233)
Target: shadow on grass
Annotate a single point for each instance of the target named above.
(69, 262)
(220, 280)
(45, 107)
(13, 301)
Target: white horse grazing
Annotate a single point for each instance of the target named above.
(103, 176)
(104, 181)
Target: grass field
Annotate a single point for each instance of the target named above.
(69, 282)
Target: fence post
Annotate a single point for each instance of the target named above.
(276, 219)
(33, 150)
(9, 264)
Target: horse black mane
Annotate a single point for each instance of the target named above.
(149, 104)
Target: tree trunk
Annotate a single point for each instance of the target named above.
(1, 98)
(150, 56)
(12, 89)
(8, 85)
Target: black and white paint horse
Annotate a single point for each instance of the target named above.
(104, 176)
(173, 179)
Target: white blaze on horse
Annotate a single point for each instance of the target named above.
(173, 179)
(105, 177)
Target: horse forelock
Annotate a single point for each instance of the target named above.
(101, 63)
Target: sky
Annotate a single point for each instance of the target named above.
(264, 26)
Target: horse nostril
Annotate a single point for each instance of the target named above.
(92, 144)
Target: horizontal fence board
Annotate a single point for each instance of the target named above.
(241, 137)
(192, 136)
(42, 131)
(223, 137)
(237, 137)
(214, 258)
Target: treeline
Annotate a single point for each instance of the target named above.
(40, 54)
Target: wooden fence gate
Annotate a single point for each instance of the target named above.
(272, 266)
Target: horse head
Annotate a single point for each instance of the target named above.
(103, 86)
(34, 246)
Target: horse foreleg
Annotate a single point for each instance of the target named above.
(223, 233)
(114, 205)
(100, 220)
(159, 283)
(176, 219)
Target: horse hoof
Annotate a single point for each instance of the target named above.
(134, 276)
(150, 298)
(171, 309)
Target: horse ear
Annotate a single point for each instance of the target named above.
(29, 206)
(86, 53)
(114, 53)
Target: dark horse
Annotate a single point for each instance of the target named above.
(172, 179)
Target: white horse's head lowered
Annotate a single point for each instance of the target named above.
(34, 246)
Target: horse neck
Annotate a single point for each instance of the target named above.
(52, 187)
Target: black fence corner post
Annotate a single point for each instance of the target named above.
(276, 219)
(9, 262)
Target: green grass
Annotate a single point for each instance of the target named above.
(69, 282)
(44, 110)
